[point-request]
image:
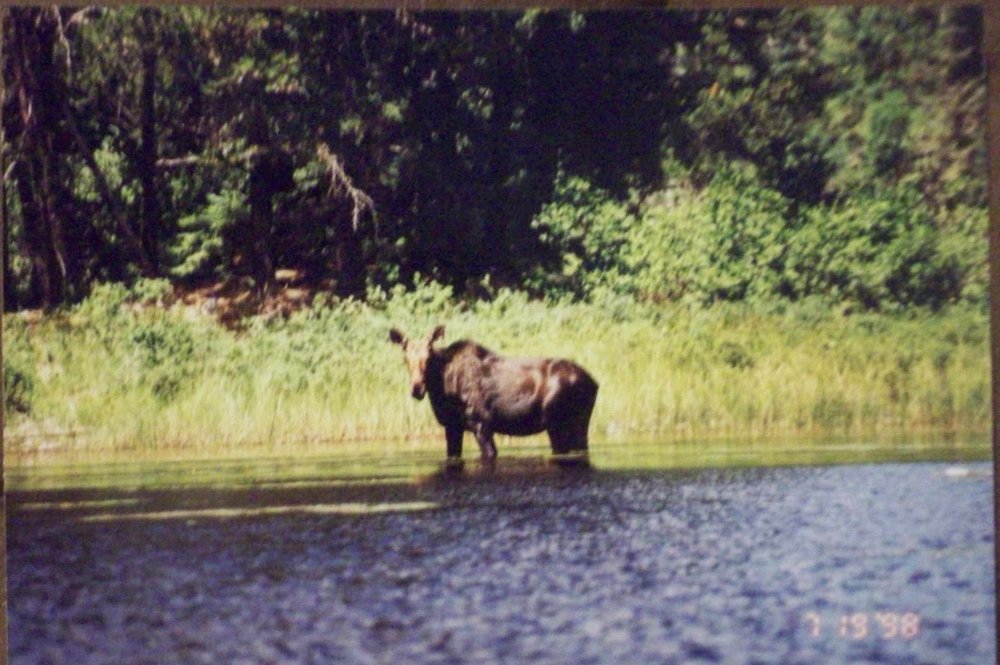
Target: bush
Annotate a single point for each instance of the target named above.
(740, 241)
(888, 122)
(204, 244)
(880, 251)
(726, 243)
(585, 232)
(18, 386)
(105, 302)
(153, 291)
(963, 243)
(167, 353)
(19, 366)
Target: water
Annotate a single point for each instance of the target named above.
(354, 561)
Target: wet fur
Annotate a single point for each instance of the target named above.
(474, 389)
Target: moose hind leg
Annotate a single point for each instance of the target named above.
(568, 437)
(487, 447)
(561, 440)
(568, 431)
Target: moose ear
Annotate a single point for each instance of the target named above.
(437, 334)
(397, 337)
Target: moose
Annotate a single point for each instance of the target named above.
(474, 389)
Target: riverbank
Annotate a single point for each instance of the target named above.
(138, 370)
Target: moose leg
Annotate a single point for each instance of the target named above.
(487, 448)
(453, 436)
(566, 438)
(570, 422)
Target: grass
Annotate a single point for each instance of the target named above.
(111, 376)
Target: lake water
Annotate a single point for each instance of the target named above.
(752, 555)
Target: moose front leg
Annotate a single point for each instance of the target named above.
(487, 448)
(453, 436)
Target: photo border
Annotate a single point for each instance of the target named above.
(991, 56)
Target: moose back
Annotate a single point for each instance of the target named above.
(474, 389)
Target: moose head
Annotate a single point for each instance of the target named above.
(416, 354)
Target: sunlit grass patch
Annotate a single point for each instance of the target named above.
(118, 378)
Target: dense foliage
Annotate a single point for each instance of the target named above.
(745, 155)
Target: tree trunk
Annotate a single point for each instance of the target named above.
(44, 131)
(9, 299)
(44, 287)
(9, 294)
(150, 225)
(37, 83)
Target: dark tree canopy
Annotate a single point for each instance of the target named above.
(372, 147)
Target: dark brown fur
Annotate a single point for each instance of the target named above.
(473, 389)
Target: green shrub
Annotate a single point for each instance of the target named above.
(738, 241)
(167, 353)
(879, 251)
(888, 122)
(19, 367)
(666, 249)
(105, 302)
(725, 243)
(964, 245)
(586, 232)
(203, 245)
(150, 290)
(18, 386)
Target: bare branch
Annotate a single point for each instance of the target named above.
(192, 160)
(342, 185)
(10, 170)
(187, 160)
(80, 16)
(62, 38)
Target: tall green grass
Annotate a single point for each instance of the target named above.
(110, 375)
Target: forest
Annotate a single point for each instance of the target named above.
(715, 155)
(827, 166)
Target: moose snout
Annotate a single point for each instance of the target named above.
(418, 391)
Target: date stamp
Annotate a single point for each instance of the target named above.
(863, 625)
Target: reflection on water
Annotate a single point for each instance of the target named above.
(83, 504)
(373, 462)
(265, 511)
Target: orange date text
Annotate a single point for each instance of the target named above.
(863, 625)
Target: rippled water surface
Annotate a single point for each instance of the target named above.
(340, 561)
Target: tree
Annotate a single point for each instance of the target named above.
(390, 147)
(761, 96)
